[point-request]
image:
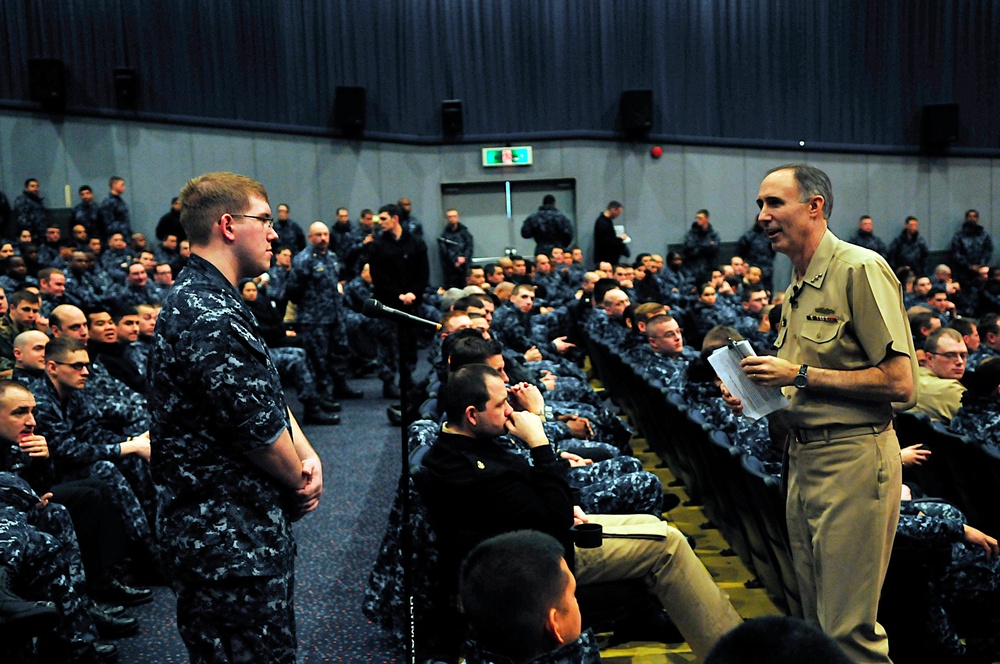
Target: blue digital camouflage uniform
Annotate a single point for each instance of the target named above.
(977, 356)
(115, 262)
(701, 250)
(89, 216)
(979, 419)
(41, 570)
(452, 243)
(114, 212)
(30, 214)
(964, 598)
(753, 437)
(83, 291)
(909, 250)
(320, 316)
(755, 249)
(293, 366)
(50, 256)
(277, 286)
(549, 228)
(869, 241)
(289, 235)
(131, 295)
(226, 534)
(81, 448)
(617, 486)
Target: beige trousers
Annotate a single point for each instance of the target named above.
(842, 511)
(699, 609)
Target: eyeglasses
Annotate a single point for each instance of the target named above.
(75, 366)
(267, 221)
(953, 355)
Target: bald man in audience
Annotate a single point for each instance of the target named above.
(29, 356)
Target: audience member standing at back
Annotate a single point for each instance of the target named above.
(548, 227)
(455, 247)
(971, 247)
(29, 210)
(289, 233)
(114, 210)
(909, 249)
(701, 247)
(608, 245)
(865, 237)
(400, 273)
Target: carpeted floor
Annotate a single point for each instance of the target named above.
(337, 544)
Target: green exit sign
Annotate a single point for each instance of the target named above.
(519, 156)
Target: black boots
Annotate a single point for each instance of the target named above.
(315, 413)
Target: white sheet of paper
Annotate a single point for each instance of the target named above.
(758, 400)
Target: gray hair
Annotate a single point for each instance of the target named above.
(812, 182)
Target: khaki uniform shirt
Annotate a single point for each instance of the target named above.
(940, 398)
(845, 312)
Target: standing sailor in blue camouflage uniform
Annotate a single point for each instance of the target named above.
(320, 315)
(548, 226)
(232, 466)
(114, 211)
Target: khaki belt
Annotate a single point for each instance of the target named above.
(806, 436)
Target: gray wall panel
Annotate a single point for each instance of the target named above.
(708, 183)
(898, 188)
(34, 147)
(287, 167)
(222, 151)
(161, 164)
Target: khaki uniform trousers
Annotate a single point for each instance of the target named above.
(663, 558)
(842, 509)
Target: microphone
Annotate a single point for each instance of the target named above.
(375, 309)
(444, 240)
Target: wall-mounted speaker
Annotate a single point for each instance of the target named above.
(350, 110)
(635, 112)
(126, 87)
(47, 82)
(938, 127)
(452, 124)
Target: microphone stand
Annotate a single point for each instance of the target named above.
(375, 309)
(406, 539)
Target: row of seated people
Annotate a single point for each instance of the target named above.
(538, 474)
(945, 296)
(87, 275)
(78, 498)
(964, 587)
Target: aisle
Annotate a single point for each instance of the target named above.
(336, 546)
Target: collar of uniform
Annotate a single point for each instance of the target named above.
(820, 262)
(199, 264)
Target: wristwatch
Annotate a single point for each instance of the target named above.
(801, 381)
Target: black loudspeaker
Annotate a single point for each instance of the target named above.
(938, 126)
(126, 87)
(350, 110)
(452, 124)
(47, 83)
(635, 112)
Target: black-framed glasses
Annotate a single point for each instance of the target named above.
(267, 221)
(75, 366)
(952, 355)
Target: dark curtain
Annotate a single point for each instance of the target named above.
(849, 74)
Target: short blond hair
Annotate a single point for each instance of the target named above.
(207, 197)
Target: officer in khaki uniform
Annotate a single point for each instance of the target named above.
(844, 356)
